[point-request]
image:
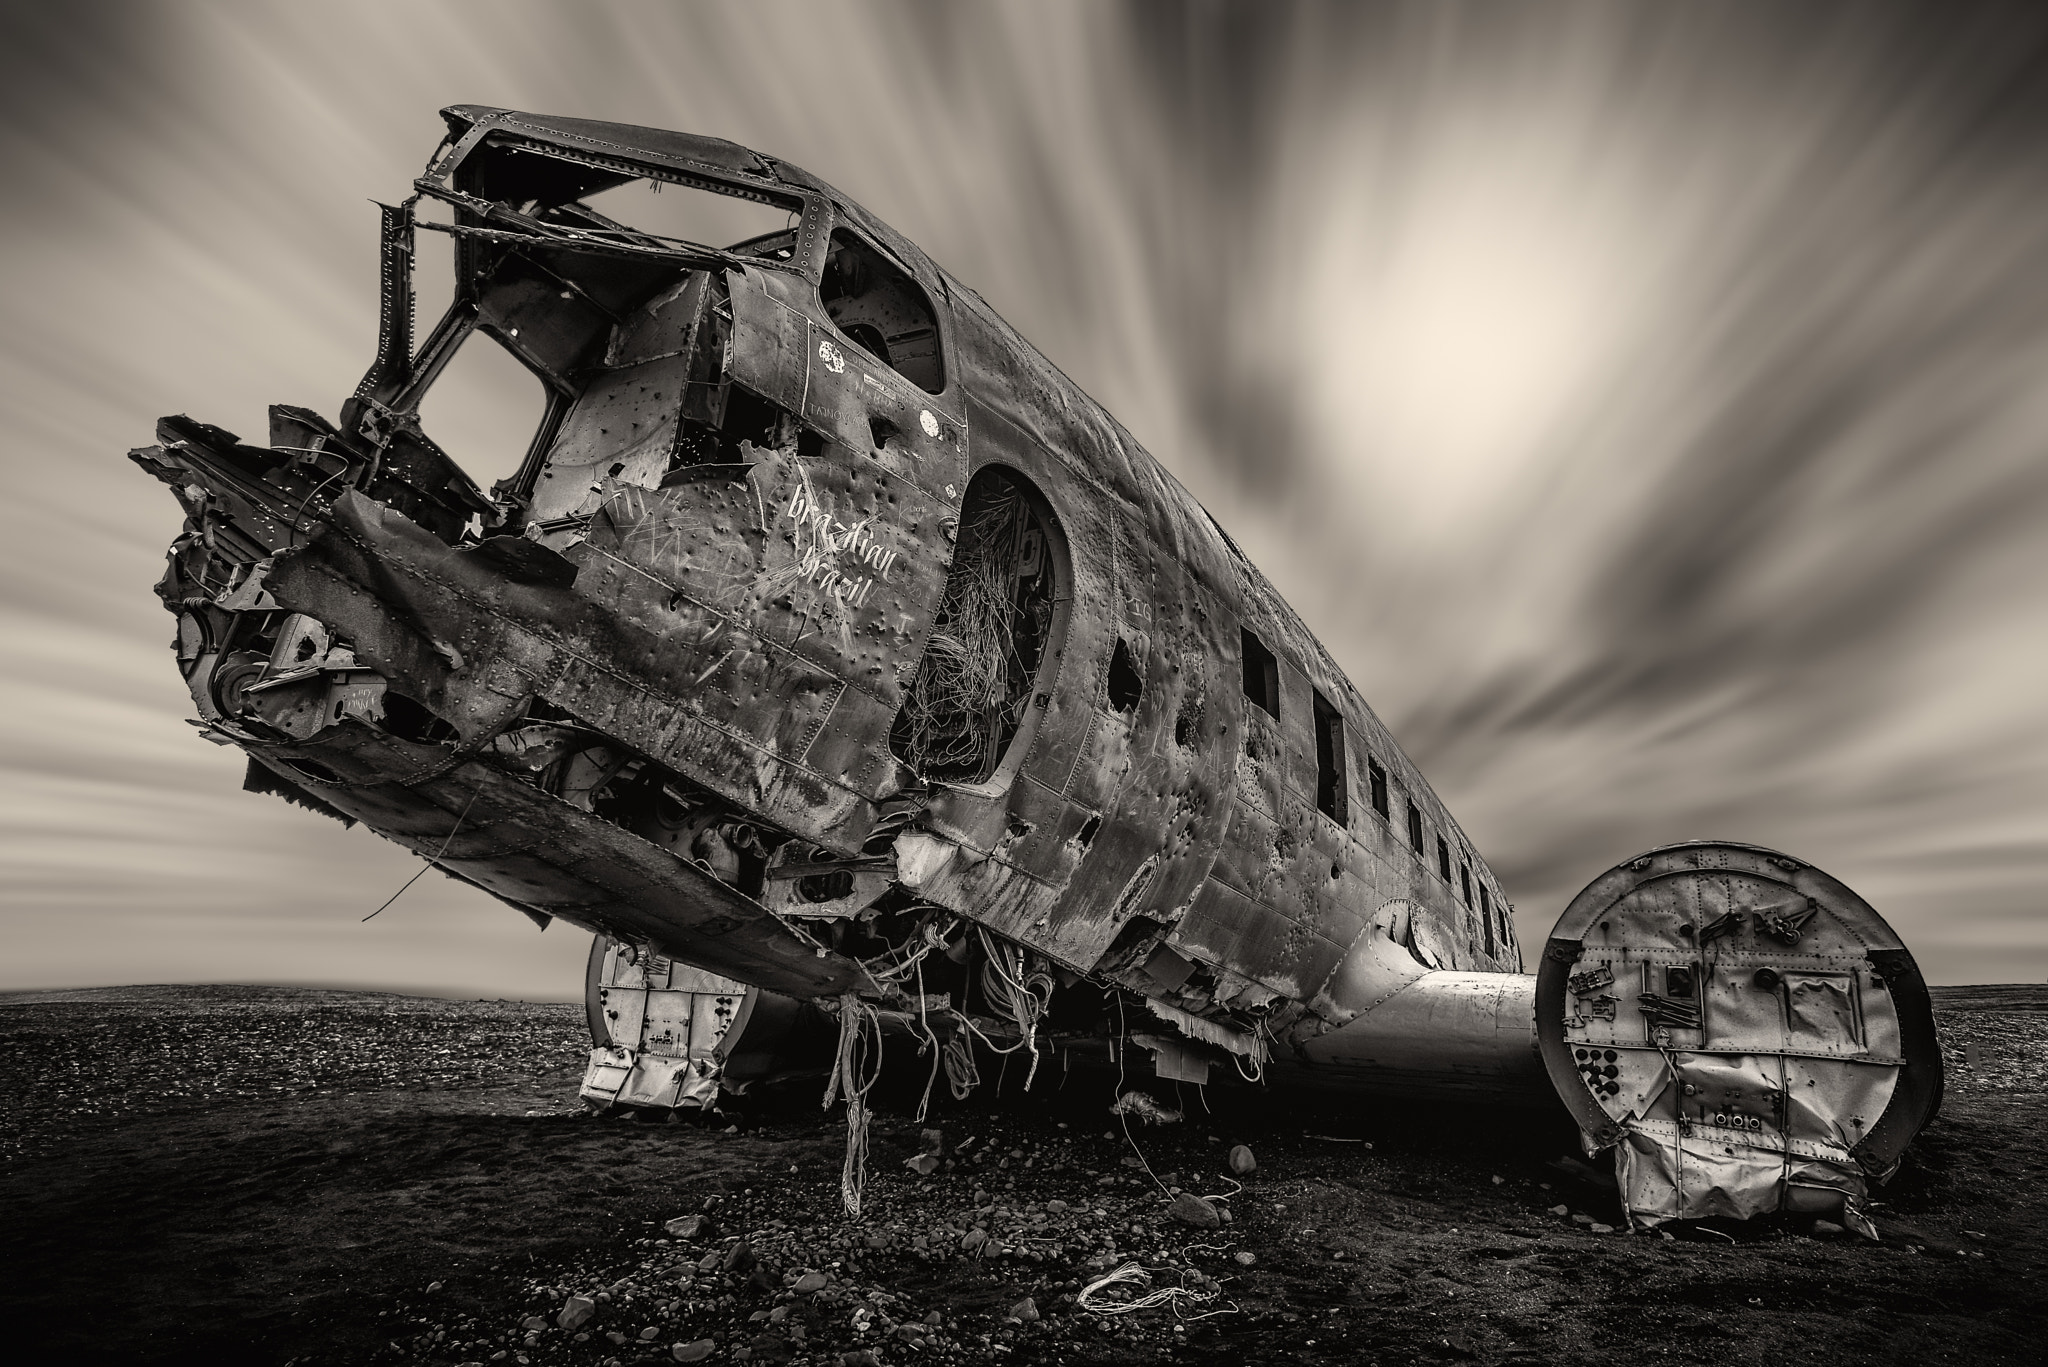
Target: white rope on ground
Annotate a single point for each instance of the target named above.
(860, 1054)
(1131, 1274)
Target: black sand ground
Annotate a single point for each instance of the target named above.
(236, 1174)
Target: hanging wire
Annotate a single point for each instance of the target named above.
(437, 853)
(855, 1070)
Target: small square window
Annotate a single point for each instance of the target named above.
(1261, 675)
(1331, 798)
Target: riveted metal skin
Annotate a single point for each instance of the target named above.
(1747, 1030)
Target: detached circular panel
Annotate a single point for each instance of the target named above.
(1749, 1033)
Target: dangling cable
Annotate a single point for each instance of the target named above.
(857, 1024)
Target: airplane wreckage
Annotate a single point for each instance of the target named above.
(851, 673)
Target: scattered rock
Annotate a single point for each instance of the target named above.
(1241, 1161)
(738, 1258)
(1826, 1229)
(577, 1311)
(1599, 1228)
(1560, 1210)
(693, 1352)
(1025, 1311)
(1191, 1209)
(860, 1357)
(688, 1227)
(1581, 1218)
(972, 1240)
(533, 1323)
(924, 1164)
(1245, 1259)
(809, 1282)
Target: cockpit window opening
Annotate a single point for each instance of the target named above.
(882, 311)
(673, 213)
(1261, 674)
(483, 408)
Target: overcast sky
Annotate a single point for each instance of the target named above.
(1645, 403)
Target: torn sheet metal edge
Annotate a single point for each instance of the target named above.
(1209, 1032)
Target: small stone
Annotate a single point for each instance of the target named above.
(695, 1351)
(973, 1239)
(1599, 1228)
(1025, 1311)
(1581, 1218)
(1245, 1259)
(738, 1258)
(533, 1323)
(860, 1357)
(1560, 1210)
(1241, 1161)
(924, 1164)
(1827, 1229)
(1191, 1209)
(710, 1261)
(432, 1287)
(1057, 1205)
(618, 1339)
(649, 1334)
(1498, 1179)
(577, 1311)
(687, 1226)
(809, 1282)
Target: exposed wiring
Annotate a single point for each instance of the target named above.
(437, 853)
(855, 1070)
(1123, 1117)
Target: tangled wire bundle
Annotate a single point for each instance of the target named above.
(962, 703)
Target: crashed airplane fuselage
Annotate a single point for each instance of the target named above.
(830, 640)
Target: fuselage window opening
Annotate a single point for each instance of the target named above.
(1443, 859)
(1414, 826)
(1486, 917)
(882, 311)
(1125, 685)
(993, 630)
(1378, 778)
(1331, 797)
(1261, 674)
(1465, 879)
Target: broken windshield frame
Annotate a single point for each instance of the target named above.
(521, 217)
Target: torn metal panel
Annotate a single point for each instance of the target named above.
(664, 1029)
(1681, 1021)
